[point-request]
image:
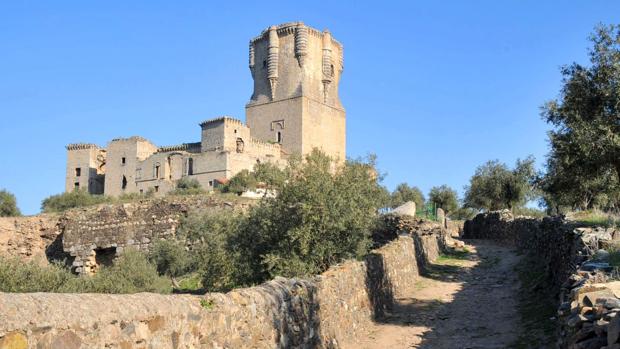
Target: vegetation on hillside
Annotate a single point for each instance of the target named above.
(8, 204)
(130, 273)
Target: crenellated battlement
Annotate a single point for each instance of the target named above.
(188, 147)
(82, 146)
(224, 118)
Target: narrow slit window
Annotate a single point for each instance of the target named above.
(190, 166)
(157, 188)
(157, 171)
(78, 171)
(124, 183)
(123, 160)
(279, 137)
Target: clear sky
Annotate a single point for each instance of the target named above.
(434, 88)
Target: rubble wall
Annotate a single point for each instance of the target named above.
(322, 311)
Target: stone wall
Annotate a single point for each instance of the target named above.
(30, 238)
(576, 266)
(96, 235)
(92, 235)
(322, 311)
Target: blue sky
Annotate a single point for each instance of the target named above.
(434, 88)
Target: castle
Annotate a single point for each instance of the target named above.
(294, 108)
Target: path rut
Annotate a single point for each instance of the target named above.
(463, 301)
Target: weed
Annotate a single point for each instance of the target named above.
(207, 303)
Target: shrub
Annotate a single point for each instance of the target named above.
(187, 186)
(8, 204)
(242, 181)
(130, 273)
(76, 198)
(19, 276)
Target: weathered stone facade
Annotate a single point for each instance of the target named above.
(31, 238)
(324, 311)
(294, 108)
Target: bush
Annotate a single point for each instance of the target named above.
(8, 205)
(187, 186)
(242, 181)
(76, 198)
(130, 273)
(19, 276)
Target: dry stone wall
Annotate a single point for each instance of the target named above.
(576, 265)
(30, 238)
(94, 235)
(322, 311)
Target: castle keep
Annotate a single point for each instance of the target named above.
(294, 108)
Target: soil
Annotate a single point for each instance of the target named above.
(465, 300)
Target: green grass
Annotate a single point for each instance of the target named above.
(190, 283)
(536, 306)
(595, 218)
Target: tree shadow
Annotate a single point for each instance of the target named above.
(478, 295)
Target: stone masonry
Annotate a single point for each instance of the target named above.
(294, 108)
(320, 312)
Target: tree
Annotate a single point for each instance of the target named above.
(404, 193)
(8, 204)
(269, 174)
(494, 186)
(585, 141)
(171, 259)
(444, 197)
(319, 217)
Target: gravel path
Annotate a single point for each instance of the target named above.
(465, 301)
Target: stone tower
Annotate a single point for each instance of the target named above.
(296, 71)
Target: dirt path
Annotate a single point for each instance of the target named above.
(467, 300)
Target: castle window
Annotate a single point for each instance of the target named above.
(190, 166)
(210, 183)
(264, 64)
(157, 170)
(76, 185)
(123, 160)
(141, 191)
(157, 188)
(279, 137)
(124, 183)
(78, 172)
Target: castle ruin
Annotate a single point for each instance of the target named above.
(294, 108)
